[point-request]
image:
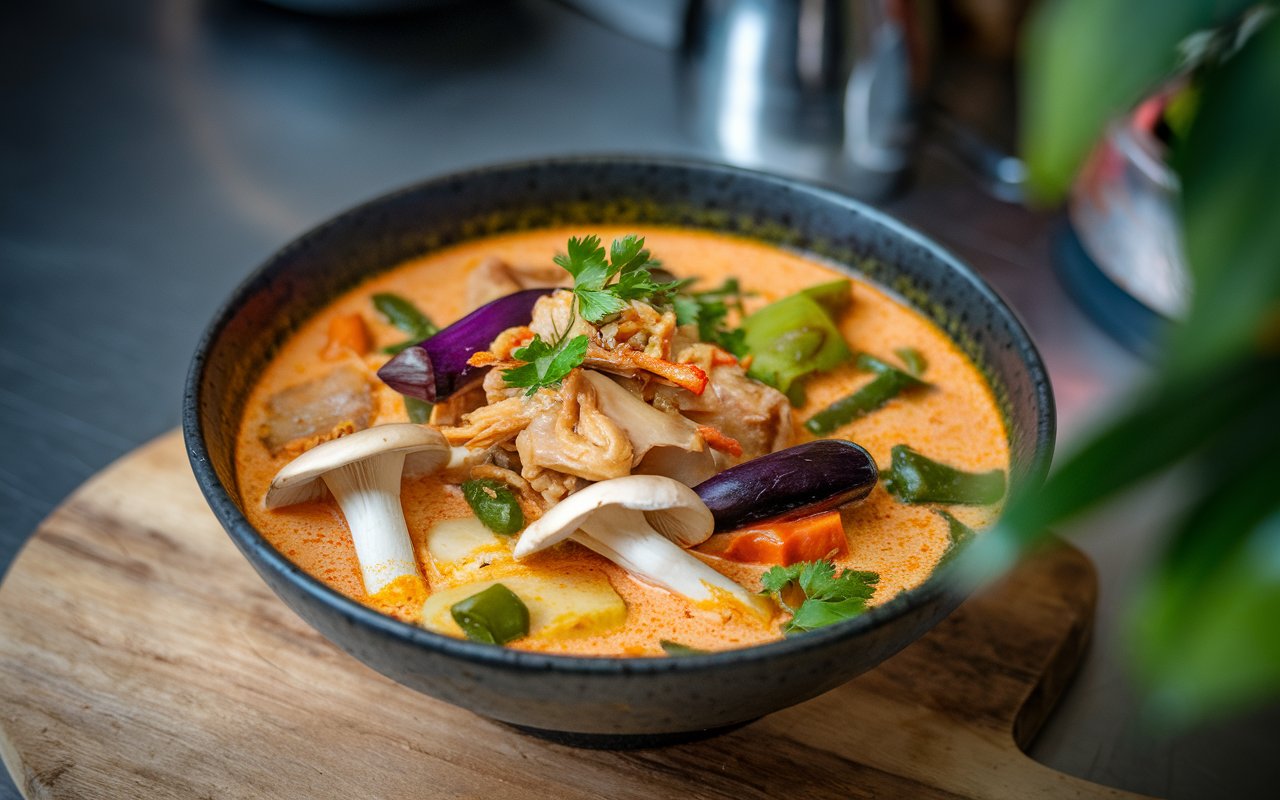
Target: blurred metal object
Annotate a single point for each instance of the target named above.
(351, 8)
(1123, 208)
(823, 89)
(1003, 175)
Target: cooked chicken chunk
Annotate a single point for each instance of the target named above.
(757, 416)
(303, 416)
(496, 278)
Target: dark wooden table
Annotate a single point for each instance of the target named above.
(153, 153)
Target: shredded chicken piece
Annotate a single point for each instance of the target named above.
(576, 438)
(496, 389)
(756, 416)
(460, 403)
(552, 485)
(511, 340)
(530, 501)
(554, 316)
(641, 327)
(498, 422)
(495, 278)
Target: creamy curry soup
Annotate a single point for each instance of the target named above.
(558, 405)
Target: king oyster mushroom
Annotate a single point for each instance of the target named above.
(363, 472)
(642, 523)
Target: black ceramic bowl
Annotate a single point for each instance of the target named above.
(601, 701)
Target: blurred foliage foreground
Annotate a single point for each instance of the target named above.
(1205, 623)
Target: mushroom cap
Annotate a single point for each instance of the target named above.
(425, 450)
(670, 507)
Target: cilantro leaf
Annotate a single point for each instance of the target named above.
(628, 254)
(709, 311)
(547, 364)
(827, 598)
(594, 286)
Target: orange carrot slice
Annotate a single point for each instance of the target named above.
(717, 440)
(347, 332)
(782, 542)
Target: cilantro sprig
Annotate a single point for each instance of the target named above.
(604, 284)
(709, 310)
(547, 364)
(827, 598)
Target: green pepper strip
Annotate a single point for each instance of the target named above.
(419, 410)
(914, 360)
(405, 316)
(960, 535)
(676, 649)
(494, 616)
(495, 505)
(888, 384)
(915, 478)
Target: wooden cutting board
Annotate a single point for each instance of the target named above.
(141, 656)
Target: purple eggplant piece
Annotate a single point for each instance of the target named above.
(795, 482)
(437, 367)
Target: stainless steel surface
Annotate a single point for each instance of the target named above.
(820, 89)
(152, 153)
(1124, 209)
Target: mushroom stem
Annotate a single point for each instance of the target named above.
(626, 538)
(368, 491)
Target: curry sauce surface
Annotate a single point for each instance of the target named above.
(956, 422)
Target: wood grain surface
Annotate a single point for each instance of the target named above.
(141, 656)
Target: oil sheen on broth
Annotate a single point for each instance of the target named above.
(956, 422)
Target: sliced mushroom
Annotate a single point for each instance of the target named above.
(363, 473)
(642, 523)
(662, 443)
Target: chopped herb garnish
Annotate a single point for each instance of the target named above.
(547, 364)
(495, 505)
(405, 316)
(676, 649)
(916, 478)
(709, 310)
(598, 295)
(419, 410)
(825, 598)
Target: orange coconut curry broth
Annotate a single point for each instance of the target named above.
(916, 404)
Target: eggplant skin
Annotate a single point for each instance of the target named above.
(794, 482)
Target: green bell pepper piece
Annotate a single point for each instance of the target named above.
(790, 339)
(916, 478)
(495, 504)
(494, 616)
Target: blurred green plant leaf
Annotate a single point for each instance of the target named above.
(1088, 61)
(1204, 626)
(1229, 165)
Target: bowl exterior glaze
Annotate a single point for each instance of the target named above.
(604, 696)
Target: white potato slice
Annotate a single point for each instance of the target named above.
(559, 607)
(463, 551)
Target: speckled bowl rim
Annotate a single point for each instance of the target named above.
(249, 539)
